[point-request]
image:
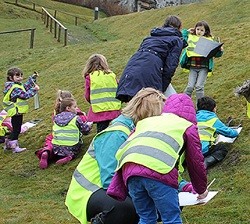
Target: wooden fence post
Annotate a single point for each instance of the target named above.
(59, 33)
(34, 6)
(55, 24)
(32, 37)
(76, 21)
(65, 37)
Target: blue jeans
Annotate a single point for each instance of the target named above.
(149, 195)
(197, 79)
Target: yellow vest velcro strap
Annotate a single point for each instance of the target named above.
(66, 131)
(103, 100)
(152, 152)
(160, 136)
(84, 182)
(103, 90)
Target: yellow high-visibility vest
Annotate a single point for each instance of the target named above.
(68, 135)
(86, 178)
(155, 144)
(207, 131)
(103, 88)
(20, 106)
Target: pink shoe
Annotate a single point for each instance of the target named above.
(43, 164)
(64, 160)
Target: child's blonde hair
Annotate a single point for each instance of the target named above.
(147, 102)
(66, 102)
(61, 94)
(94, 63)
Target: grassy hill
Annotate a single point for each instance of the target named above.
(31, 195)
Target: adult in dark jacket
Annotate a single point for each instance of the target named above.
(155, 62)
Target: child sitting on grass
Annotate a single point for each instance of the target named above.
(45, 154)
(67, 132)
(209, 127)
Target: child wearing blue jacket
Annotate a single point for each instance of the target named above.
(209, 127)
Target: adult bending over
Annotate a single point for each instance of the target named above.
(86, 198)
(155, 62)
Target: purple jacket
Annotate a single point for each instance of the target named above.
(18, 92)
(181, 105)
(101, 116)
(62, 119)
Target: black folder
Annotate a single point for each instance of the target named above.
(207, 48)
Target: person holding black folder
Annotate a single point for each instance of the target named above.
(198, 56)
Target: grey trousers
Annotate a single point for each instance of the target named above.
(197, 79)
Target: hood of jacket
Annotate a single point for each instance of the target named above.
(181, 105)
(204, 115)
(8, 85)
(127, 121)
(63, 118)
(165, 31)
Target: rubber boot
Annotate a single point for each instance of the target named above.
(43, 164)
(15, 147)
(6, 144)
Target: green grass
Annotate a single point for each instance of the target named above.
(31, 195)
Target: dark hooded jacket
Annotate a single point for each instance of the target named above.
(182, 106)
(153, 65)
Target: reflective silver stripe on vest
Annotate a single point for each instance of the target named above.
(23, 103)
(152, 152)
(203, 130)
(160, 136)
(66, 131)
(91, 151)
(84, 182)
(105, 99)
(9, 107)
(64, 138)
(103, 90)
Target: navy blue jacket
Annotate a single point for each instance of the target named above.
(153, 65)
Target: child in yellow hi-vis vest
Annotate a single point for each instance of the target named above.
(67, 132)
(197, 65)
(15, 103)
(100, 90)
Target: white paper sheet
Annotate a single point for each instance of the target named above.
(186, 198)
(222, 138)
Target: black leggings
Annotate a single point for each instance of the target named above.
(121, 212)
(16, 122)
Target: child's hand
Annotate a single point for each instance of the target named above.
(191, 30)
(36, 87)
(203, 195)
(35, 75)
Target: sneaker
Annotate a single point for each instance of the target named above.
(43, 164)
(64, 160)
